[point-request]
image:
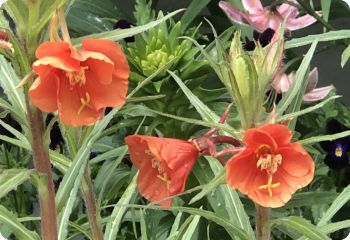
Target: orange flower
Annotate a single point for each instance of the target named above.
(271, 168)
(164, 165)
(79, 83)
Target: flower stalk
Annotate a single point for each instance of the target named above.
(262, 223)
(91, 209)
(43, 167)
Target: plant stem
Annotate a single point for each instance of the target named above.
(262, 223)
(43, 167)
(90, 201)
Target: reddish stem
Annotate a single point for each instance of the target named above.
(43, 167)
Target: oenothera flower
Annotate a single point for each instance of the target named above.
(282, 82)
(164, 164)
(271, 168)
(79, 83)
(261, 18)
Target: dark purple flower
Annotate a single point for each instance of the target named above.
(56, 138)
(337, 157)
(263, 38)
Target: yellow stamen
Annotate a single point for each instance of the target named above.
(157, 165)
(165, 179)
(77, 77)
(269, 162)
(269, 186)
(338, 152)
(84, 102)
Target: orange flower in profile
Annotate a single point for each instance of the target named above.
(80, 84)
(271, 168)
(164, 165)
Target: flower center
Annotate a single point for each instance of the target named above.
(338, 151)
(161, 173)
(269, 162)
(77, 77)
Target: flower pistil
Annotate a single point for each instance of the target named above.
(269, 162)
(84, 102)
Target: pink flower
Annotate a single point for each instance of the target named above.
(282, 82)
(261, 18)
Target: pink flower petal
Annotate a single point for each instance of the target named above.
(317, 94)
(285, 9)
(300, 22)
(233, 13)
(281, 83)
(312, 81)
(252, 6)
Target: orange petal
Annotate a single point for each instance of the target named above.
(102, 95)
(242, 170)
(100, 66)
(296, 163)
(138, 147)
(112, 51)
(279, 132)
(69, 104)
(178, 156)
(255, 137)
(47, 49)
(262, 197)
(43, 92)
(66, 64)
(151, 187)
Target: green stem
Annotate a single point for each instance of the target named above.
(262, 223)
(43, 167)
(90, 202)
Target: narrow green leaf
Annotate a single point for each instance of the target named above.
(211, 186)
(329, 137)
(302, 226)
(345, 56)
(10, 220)
(119, 34)
(224, 201)
(298, 81)
(119, 210)
(150, 77)
(324, 37)
(77, 167)
(306, 110)
(225, 128)
(8, 81)
(337, 204)
(333, 227)
(206, 113)
(15, 142)
(175, 226)
(16, 133)
(10, 179)
(192, 12)
(67, 192)
(189, 234)
(233, 230)
(311, 198)
(143, 226)
(326, 5)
